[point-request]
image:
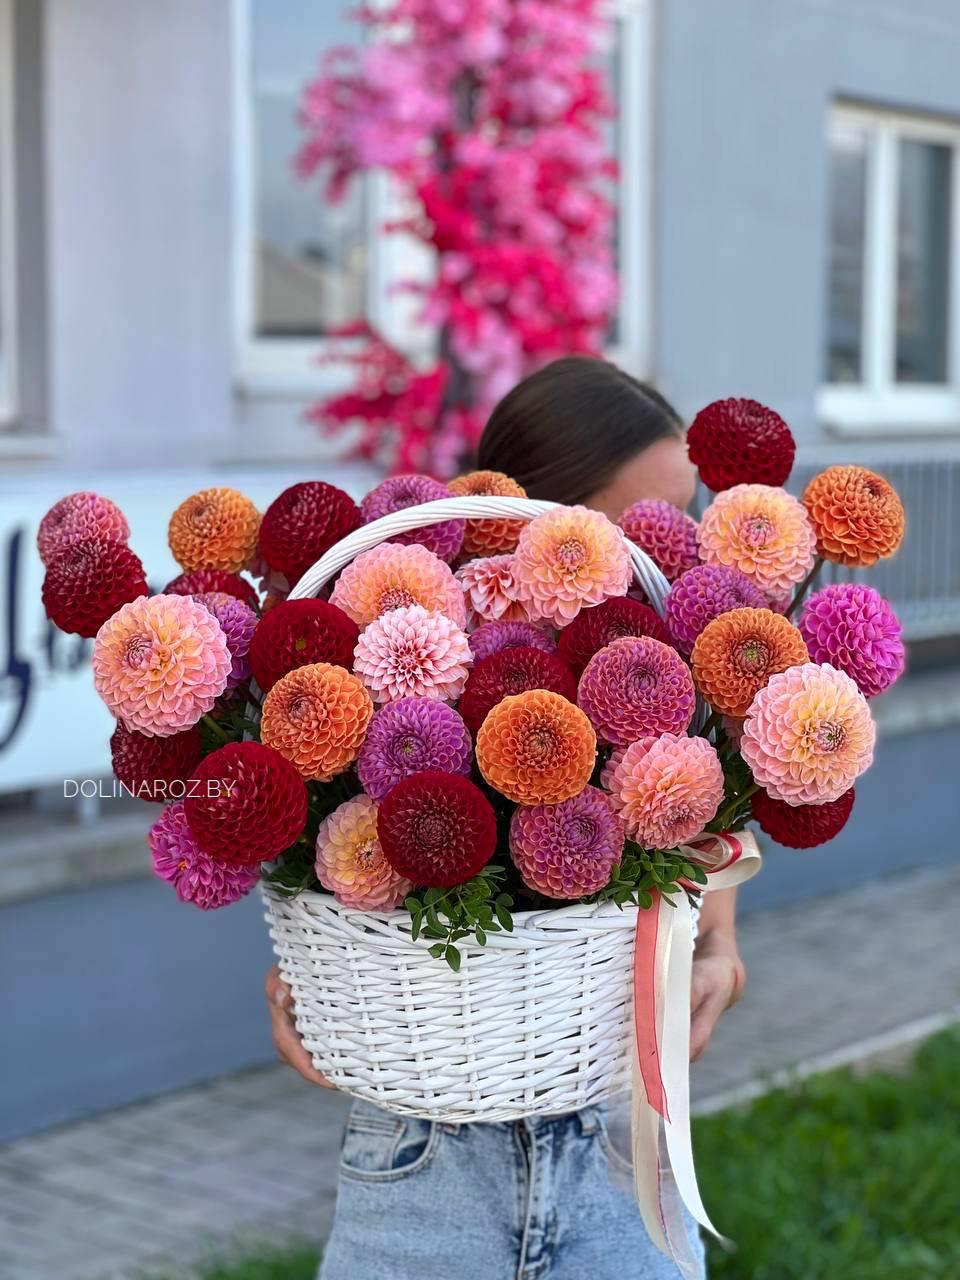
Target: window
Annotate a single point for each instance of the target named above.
(8, 261)
(892, 351)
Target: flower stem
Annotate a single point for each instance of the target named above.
(723, 819)
(712, 723)
(215, 728)
(804, 586)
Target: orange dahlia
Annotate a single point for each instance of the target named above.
(736, 654)
(567, 559)
(857, 515)
(536, 748)
(317, 717)
(493, 536)
(214, 529)
(392, 576)
(763, 532)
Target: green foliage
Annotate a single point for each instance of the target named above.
(478, 907)
(266, 1262)
(640, 871)
(842, 1177)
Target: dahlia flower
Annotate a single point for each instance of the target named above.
(567, 850)
(302, 524)
(808, 735)
(856, 514)
(392, 577)
(494, 637)
(296, 633)
(238, 622)
(853, 628)
(154, 768)
(740, 442)
(197, 878)
(437, 829)
(214, 529)
(667, 534)
(512, 671)
(802, 826)
(350, 861)
(593, 629)
(317, 717)
(704, 593)
(396, 493)
(536, 748)
(763, 532)
(736, 654)
(409, 736)
(567, 559)
(77, 518)
(492, 535)
(203, 580)
(490, 591)
(634, 687)
(667, 789)
(160, 663)
(88, 582)
(413, 652)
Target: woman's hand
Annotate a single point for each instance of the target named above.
(286, 1041)
(716, 982)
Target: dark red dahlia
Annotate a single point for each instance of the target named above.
(512, 671)
(436, 829)
(304, 522)
(87, 584)
(200, 581)
(247, 803)
(593, 629)
(802, 826)
(740, 442)
(297, 632)
(155, 768)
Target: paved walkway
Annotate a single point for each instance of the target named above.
(253, 1156)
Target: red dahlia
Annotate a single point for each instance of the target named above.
(154, 768)
(436, 829)
(304, 522)
(200, 581)
(512, 671)
(298, 632)
(86, 584)
(740, 442)
(246, 805)
(593, 629)
(802, 826)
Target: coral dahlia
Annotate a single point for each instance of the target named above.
(512, 671)
(853, 628)
(802, 826)
(536, 748)
(494, 637)
(214, 529)
(491, 591)
(763, 532)
(567, 559)
(437, 829)
(667, 534)
(667, 789)
(177, 858)
(154, 768)
(736, 654)
(491, 535)
(390, 577)
(296, 633)
(702, 594)
(412, 735)
(567, 850)
(857, 515)
(396, 493)
(637, 686)
(593, 629)
(317, 717)
(77, 518)
(350, 861)
(740, 442)
(413, 652)
(88, 582)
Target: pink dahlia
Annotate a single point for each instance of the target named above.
(808, 735)
(763, 532)
(667, 789)
(667, 534)
(76, 518)
(634, 687)
(854, 629)
(567, 559)
(493, 637)
(160, 663)
(409, 736)
(391, 577)
(702, 594)
(567, 850)
(491, 591)
(238, 622)
(197, 878)
(413, 652)
(399, 492)
(350, 861)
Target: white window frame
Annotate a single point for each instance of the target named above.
(879, 404)
(8, 256)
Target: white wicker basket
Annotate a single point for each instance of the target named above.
(537, 1021)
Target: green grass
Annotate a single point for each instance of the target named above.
(267, 1262)
(841, 1178)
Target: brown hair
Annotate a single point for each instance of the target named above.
(564, 431)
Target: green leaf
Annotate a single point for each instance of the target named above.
(437, 950)
(504, 916)
(452, 957)
(480, 936)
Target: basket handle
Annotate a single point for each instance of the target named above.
(646, 573)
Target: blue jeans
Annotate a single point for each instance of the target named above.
(532, 1200)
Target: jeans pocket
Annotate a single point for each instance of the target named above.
(618, 1154)
(380, 1147)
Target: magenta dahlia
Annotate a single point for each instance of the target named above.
(667, 534)
(593, 629)
(238, 623)
(702, 594)
(437, 829)
(412, 735)
(197, 878)
(853, 628)
(567, 850)
(493, 637)
(636, 687)
(399, 492)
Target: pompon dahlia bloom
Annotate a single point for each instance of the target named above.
(202, 580)
(763, 532)
(396, 493)
(154, 768)
(808, 735)
(593, 629)
(802, 826)
(238, 622)
(490, 591)
(177, 858)
(853, 628)
(702, 594)
(296, 633)
(392, 577)
(437, 829)
(667, 534)
(160, 663)
(410, 736)
(494, 637)
(512, 671)
(317, 717)
(304, 522)
(736, 654)
(350, 861)
(567, 850)
(536, 748)
(214, 529)
(247, 805)
(740, 442)
(857, 515)
(413, 652)
(493, 535)
(667, 789)
(634, 687)
(88, 582)
(567, 559)
(76, 518)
